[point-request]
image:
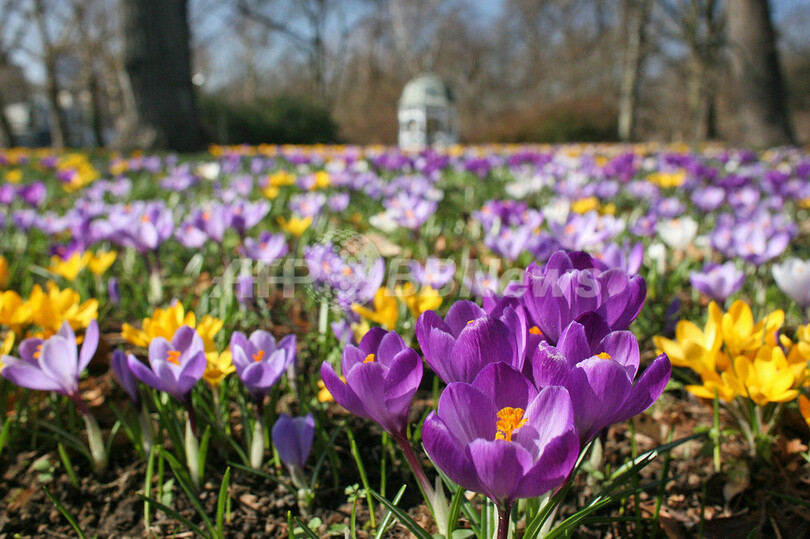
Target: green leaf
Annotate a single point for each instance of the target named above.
(262, 474)
(67, 464)
(223, 496)
(180, 474)
(4, 434)
(403, 517)
(308, 532)
(386, 521)
(174, 514)
(61, 508)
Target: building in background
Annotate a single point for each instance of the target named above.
(427, 114)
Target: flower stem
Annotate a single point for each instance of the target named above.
(416, 467)
(503, 521)
(96, 443)
(257, 443)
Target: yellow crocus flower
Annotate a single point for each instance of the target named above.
(695, 348)
(386, 309)
(296, 225)
(50, 309)
(426, 299)
(270, 191)
(725, 385)
(667, 179)
(101, 262)
(6, 346)
(359, 329)
(14, 176)
(767, 379)
(804, 408)
(208, 327)
(4, 275)
(163, 323)
(14, 312)
(584, 205)
(742, 336)
(322, 180)
(281, 178)
(70, 268)
(218, 366)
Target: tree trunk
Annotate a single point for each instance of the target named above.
(760, 93)
(635, 17)
(5, 125)
(157, 60)
(56, 120)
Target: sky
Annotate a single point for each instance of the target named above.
(212, 23)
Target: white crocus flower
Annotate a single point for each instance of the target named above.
(678, 234)
(793, 278)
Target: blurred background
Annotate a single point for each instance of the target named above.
(179, 74)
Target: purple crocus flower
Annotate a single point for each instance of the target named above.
(709, 198)
(53, 364)
(468, 339)
(113, 291)
(33, 194)
(626, 258)
(718, 281)
(600, 378)
(382, 376)
(570, 285)
(245, 215)
(338, 202)
(501, 437)
(259, 361)
(125, 377)
(436, 273)
(176, 366)
(266, 249)
(293, 437)
(244, 288)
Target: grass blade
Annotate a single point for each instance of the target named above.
(223, 496)
(309, 533)
(174, 514)
(67, 464)
(403, 517)
(61, 508)
(386, 521)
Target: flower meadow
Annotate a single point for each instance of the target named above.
(329, 341)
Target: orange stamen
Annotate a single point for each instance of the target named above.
(174, 357)
(258, 356)
(534, 330)
(369, 359)
(603, 355)
(509, 420)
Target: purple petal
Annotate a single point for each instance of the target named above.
(486, 340)
(505, 386)
(550, 367)
(402, 382)
(58, 361)
(500, 466)
(552, 468)
(144, 373)
(26, 375)
(447, 454)
(622, 346)
(89, 345)
(460, 314)
(455, 406)
(647, 389)
(341, 392)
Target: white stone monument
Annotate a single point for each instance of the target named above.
(427, 114)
